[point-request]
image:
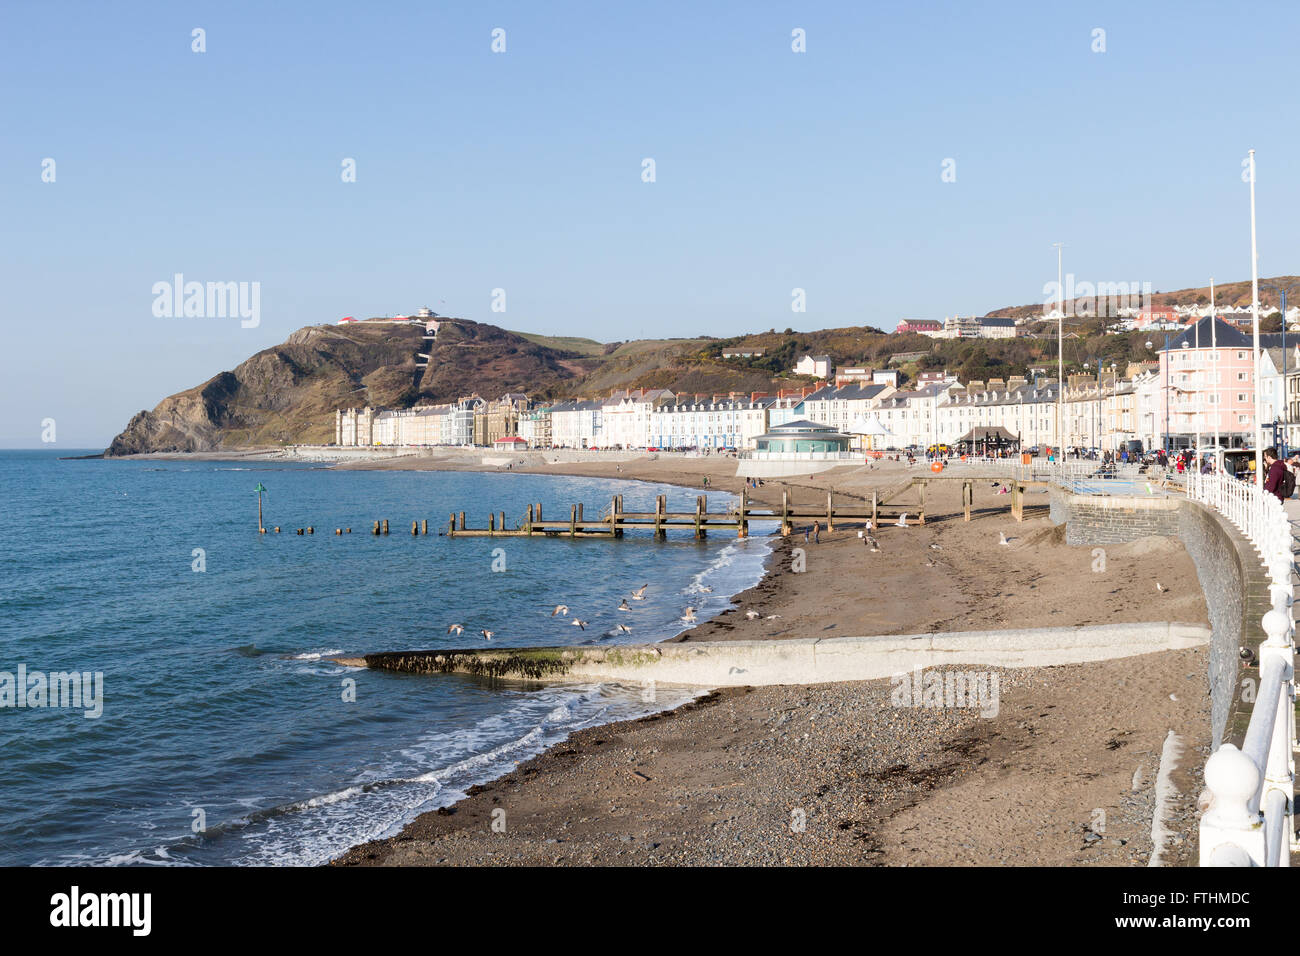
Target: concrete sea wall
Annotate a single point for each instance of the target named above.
(1228, 568)
(803, 661)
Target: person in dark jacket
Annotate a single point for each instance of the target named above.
(1274, 475)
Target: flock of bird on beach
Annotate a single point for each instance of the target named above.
(562, 611)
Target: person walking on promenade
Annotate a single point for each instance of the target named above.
(1278, 481)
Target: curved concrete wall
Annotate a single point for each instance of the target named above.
(1227, 566)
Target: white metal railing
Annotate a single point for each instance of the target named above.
(1250, 820)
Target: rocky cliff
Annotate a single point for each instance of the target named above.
(288, 393)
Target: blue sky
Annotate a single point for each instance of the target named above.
(522, 170)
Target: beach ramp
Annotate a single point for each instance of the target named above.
(798, 661)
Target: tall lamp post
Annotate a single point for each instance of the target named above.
(1281, 412)
(1164, 439)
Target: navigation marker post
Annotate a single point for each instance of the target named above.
(259, 489)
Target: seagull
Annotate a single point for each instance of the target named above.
(457, 628)
(706, 589)
(929, 564)
(579, 624)
(624, 606)
(902, 520)
(935, 547)
(875, 546)
(861, 534)
(773, 617)
(1160, 587)
(639, 593)
(560, 609)
(689, 616)
(625, 629)
(751, 614)
(1002, 539)
(487, 635)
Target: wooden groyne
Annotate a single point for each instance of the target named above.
(904, 503)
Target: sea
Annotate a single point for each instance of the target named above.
(225, 735)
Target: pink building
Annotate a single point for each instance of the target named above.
(1205, 383)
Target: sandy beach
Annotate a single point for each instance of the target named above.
(837, 773)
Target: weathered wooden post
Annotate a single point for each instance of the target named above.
(875, 518)
(492, 520)
(424, 526)
(376, 531)
(618, 520)
(502, 522)
(921, 516)
(573, 520)
(415, 528)
(613, 513)
(338, 530)
(528, 521)
(451, 524)
(579, 512)
(461, 523)
(311, 530)
(967, 498)
(385, 526)
(830, 511)
(659, 517)
(742, 526)
(699, 517)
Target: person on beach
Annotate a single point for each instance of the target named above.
(817, 532)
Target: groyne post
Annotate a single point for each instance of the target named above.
(742, 526)
(385, 526)
(785, 512)
(613, 515)
(967, 497)
(528, 521)
(573, 521)
(830, 511)
(618, 521)
(659, 517)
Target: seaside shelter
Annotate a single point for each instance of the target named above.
(872, 428)
(988, 441)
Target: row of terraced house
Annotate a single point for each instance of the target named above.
(1202, 384)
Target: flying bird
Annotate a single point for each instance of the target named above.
(625, 629)
(902, 520)
(624, 606)
(455, 628)
(487, 635)
(689, 616)
(582, 625)
(1002, 539)
(751, 614)
(639, 593)
(560, 609)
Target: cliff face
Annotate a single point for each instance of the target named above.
(288, 393)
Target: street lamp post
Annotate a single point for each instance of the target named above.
(1281, 411)
(1164, 439)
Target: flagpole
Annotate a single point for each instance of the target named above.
(1214, 347)
(1254, 312)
